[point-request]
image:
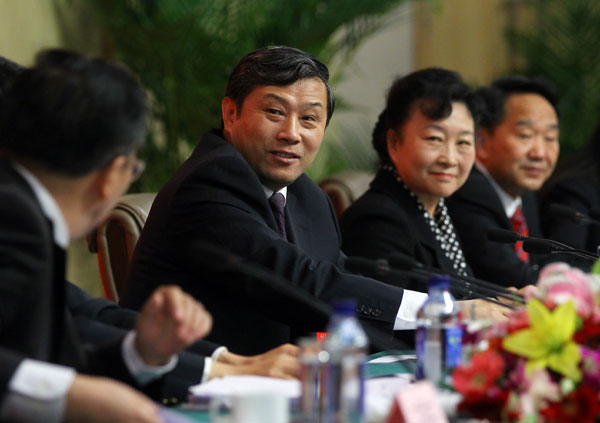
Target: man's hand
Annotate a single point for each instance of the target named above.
(484, 310)
(281, 362)
(169, 321)
(96, 399)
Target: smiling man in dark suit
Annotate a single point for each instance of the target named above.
(244, 190)
(517, 150)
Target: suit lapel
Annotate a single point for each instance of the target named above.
(296, 223)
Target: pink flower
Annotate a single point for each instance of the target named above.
(540, 390)
(590, 367)
(560, 283)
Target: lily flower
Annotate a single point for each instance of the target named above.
(548, 342)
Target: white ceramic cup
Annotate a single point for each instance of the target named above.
(259, 407)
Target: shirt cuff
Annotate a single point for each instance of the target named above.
(37, 392)
(216, 353)
(143, 373)
(207, 368)
(407, 313)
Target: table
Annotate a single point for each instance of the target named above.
(373, 370)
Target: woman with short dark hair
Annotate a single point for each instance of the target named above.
(425, 138)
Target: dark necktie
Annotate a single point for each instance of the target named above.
(519, 225)
(277, 202)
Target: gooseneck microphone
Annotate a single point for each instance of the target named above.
(381, 268)
(573, 215)
(477, 287)
(535, 245)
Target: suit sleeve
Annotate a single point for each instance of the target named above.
(221, 216)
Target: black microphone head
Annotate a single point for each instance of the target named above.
(537, 246)
(502, 235)
(402, 261)
(559, 210)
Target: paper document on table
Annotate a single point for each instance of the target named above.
(394, 358)
(240, 385)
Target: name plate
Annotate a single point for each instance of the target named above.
(417, 403)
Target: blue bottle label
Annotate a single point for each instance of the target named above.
(453, 346)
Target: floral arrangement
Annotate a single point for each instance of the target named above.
(543, 364)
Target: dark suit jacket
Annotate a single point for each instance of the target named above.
(34, 320)
(580, 192)
(99, 321)
(10, 361)
(217, 198)
(386, 219)
(474, 209)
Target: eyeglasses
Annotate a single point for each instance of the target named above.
(137, 169)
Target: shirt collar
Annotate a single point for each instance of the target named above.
(269, 192)
(49, 206)
(509, 203)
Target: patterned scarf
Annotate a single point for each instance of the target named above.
(441, 226)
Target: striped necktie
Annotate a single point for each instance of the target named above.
(277, 202)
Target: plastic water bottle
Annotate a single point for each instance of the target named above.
(344, 389)
(439, 333)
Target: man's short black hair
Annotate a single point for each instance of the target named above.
(433, 90)
(277, 66)
(8, 72)
(72, 113)
(496, 95)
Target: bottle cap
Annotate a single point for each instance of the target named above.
(344, 307)
(439, 282)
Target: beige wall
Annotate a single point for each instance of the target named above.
(463, 35)
(26, 26)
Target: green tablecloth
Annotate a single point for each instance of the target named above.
(373, 370)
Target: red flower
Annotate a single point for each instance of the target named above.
(579, 406)
(476, 380)
(588, 334)
(490, 407)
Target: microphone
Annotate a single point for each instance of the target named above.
(381, 267)
(544, 246)
(573, 215)
(535, 245)
(477, 287)
(503, 236)
(316, 311)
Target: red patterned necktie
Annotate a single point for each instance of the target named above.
(519, 225)
(277, 202)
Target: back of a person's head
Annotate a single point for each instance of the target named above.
(8, 72)
(497, 93)
(72, 114)
(433, 90)
(276, 66)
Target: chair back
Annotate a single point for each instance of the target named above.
(114, 241)
(345, 187)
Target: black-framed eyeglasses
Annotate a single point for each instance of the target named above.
(137, 169)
